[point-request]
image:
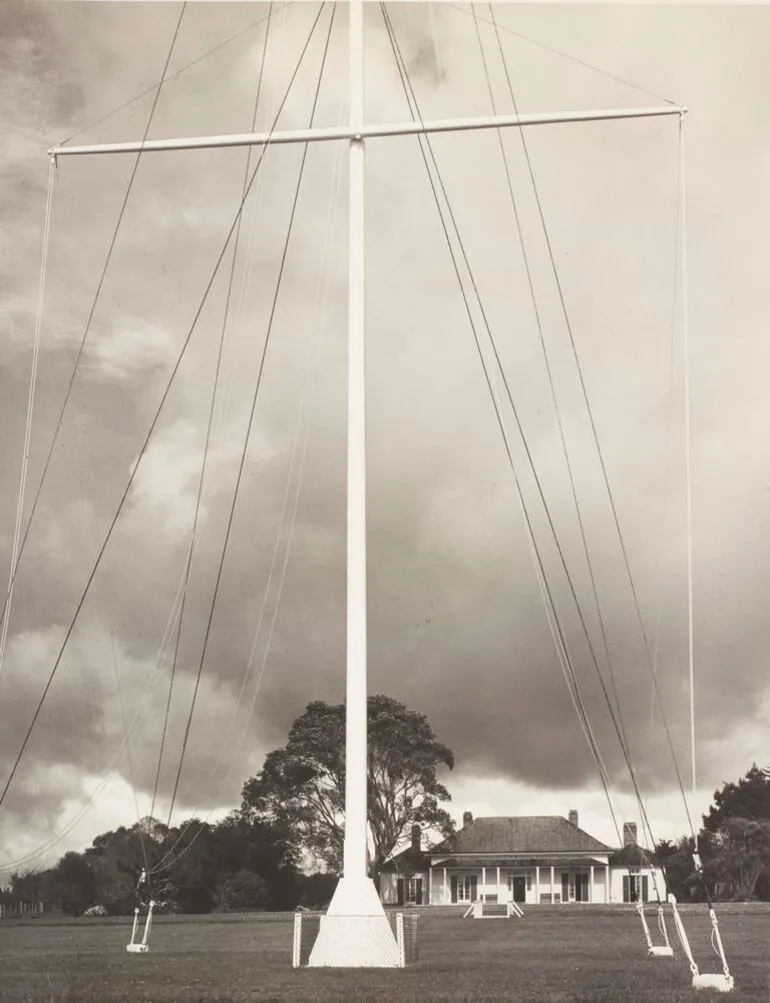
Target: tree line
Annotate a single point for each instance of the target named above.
(283, 846)
(196, 867)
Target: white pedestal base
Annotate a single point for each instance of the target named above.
(661, 952)
(355, 932)
(709, 980)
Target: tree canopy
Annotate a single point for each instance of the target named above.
(748, 798)
(301, 787)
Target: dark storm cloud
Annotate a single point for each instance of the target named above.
(456, 626)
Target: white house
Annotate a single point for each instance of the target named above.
(533, 859)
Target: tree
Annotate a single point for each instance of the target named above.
(733, 844)
(241, 843)
(317, 889)
(301, 787)
(191, 867)
(739, 858)
(736, 837)
(117, 858)
(238, 863)
(677, 861)
(749, 798)
(243, 891)
(31, 885)
(73, 880)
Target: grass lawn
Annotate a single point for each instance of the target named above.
(554, 955)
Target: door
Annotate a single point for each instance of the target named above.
(464, 887)
(518, 885)
(413, 891)
(519, 888)
(632, 888)
(581, 888)
(635, 888)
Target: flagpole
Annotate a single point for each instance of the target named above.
(355, 851)
(355, 932)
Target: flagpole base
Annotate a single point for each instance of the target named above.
(355, 932)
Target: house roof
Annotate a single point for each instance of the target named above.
(408, 861)
(476, 863)
(525, 834)
(634, 856)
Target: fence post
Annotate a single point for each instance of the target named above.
(296, 946)
(400, 939)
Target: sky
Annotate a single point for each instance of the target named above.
(456, 622)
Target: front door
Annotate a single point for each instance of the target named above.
(519, 888)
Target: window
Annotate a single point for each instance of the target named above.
(464, 887)
(575, 886)
(413, 891)
(635, 888)
(409, 891)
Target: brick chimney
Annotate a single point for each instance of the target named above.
(416, 838)
(573, 817)
(629, 834)
(467, 819)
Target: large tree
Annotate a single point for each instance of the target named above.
(73, 880)
(116, 859)
(301, 786)
(734, 844)
(748, 798)
(736, 835)
(738, 861)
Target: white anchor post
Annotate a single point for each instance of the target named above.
(355, 932)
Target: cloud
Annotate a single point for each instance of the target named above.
(167, 480)
(132, 347)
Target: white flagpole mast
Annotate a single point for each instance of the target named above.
(355, 931)
(355, 854)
